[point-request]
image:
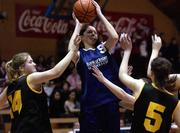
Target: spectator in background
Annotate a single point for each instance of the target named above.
(50, 62)
(65, 90)
(48, 89)
(41, 63)
(56, 108)
(71, 105)
(74, 79)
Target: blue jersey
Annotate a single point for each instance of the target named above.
(95, 93)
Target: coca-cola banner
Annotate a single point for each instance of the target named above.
(31, 22)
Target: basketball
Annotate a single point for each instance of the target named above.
(85, 11)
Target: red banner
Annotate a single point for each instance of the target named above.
(31, 22)
(128, 23)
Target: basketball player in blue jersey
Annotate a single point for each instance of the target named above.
(154, 106)
(26, 97)
(99, 107)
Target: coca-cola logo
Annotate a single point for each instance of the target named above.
(32, 20)
(125, 24)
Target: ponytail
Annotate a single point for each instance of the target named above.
(12, 66)
(11, 73)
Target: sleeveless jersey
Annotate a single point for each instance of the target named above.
(153, 111)
(29, 112)
(93, 92)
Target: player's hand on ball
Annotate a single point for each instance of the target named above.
(98, 8)
(75, 19)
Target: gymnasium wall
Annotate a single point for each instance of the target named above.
(10, 44)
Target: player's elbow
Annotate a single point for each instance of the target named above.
(122, 77)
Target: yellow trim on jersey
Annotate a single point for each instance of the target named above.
(140, 91)
(153, 84)
(175, 109)
(32, 89)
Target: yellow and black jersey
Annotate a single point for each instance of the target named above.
(153, 111)
(29, 112)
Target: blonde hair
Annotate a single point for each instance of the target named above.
(12, 66)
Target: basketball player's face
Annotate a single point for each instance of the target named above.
(90, 36)
(29, 66)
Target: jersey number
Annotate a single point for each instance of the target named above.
(16, 102)
(153, 119)
(101, 48)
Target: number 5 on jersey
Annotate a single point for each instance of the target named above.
(154, 114)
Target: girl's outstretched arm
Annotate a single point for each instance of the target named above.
(117, 91)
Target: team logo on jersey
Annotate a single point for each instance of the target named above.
(98, 62)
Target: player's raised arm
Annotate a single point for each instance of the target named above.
(76, 32)
(126, 79)
(40, 77)
(113, 36)
(156, 46)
